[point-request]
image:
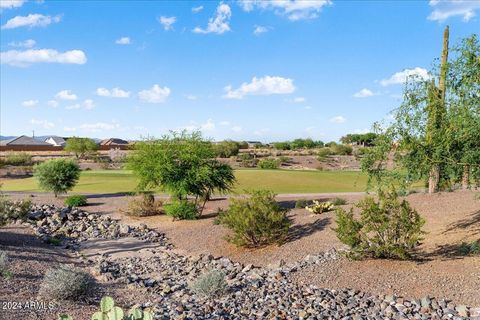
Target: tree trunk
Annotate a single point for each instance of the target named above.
(434, 179)
(466, 177)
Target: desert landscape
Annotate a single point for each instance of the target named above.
(264, 201)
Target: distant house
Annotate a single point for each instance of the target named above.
(56, 141)
(253, 144)
(23, 141)
(114, 142)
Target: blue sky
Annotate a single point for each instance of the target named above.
(246, 70)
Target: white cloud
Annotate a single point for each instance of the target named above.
(261, 86)
(224, 123)
(27, 57)
(52, 103)
(69, 129)
(299, 100)
(364, 93)
(338, 119)
(259, 30)
(23, 44)
(8, 4)
(66, 95)
(237, 129)
(261, 132)
(442, 10)
(73, 106)
(98, 126)
(156, 94)
(88, 104)
(123, 41)
(32, 20)
(167, 22)
(219, 23)
(191, 97)
(114, 93)
(361, 131)
(44, 123)
(292, 9)
(209, 125)
(197, 9)
(402, 76)
(30, 103)
(308, 107)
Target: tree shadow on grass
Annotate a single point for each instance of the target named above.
(299, 231)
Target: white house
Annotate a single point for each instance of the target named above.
(56, 141)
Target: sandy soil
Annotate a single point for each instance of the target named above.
(438, 270)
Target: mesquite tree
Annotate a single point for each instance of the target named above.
(435, 134)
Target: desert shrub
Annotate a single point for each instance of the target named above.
(387, 228)
(144, 206)
(13, 209)
(66, 282)
(318, 207)
(469, 248)
(284, 159)
(268, 163)
(323, 153)
(76, 201)
(182, 210)
(4, 265)
(339, 201)
(341, 149)
(18, 159)
(226, 149)
(210, 284)
(109, 311)
(81, 147)
(247, 160)
(59, 175)
(256, 220)
(301, 203)
(282, 145)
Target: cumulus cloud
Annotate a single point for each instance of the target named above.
(73, 106)
(30, 103)
(259, 30)
(167, 22)
(261, 86)
(88, 104)
(219, 23)
(23, 44)
(338, 119)
(191, 97)
(44, 123)
(293, 9)
(299, 100)
(224, 123)
(114, 93)
(32, 20)
(402, 76)
(52, 103)
(209, 125)
(27, 57)
(66, 95)
(9, 4)
(123, 41)
(197, 9)
(155, 94)
(237, 129)
(442, 10)
(364, 93)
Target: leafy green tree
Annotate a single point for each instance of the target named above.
(282, 145)
(434, 136)
(226, 149)
(181, 163)
(59, 175)
(80, 146)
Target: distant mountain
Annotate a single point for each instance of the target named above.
(6, 137)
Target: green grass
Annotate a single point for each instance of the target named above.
(280, 181)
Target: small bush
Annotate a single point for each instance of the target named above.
(389, 228)
(339, 201)
(301, 203)
(59, 175)
(342, 149)
(182, 210)
(323, 153)
(256, 220)
(11, 210)
(18, 159)
(210, 284)
(319, 207)
(109, 311)
(4, 265)
(469, 248)
(226, 149)
(268, 163)
(144, 206)
(284, 159)
(76, 201)
(66, 283)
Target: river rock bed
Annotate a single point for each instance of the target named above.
(252, 292)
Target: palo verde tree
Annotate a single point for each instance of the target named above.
(183, 164)
(435, 133)
(58, 175)
(80, 146)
